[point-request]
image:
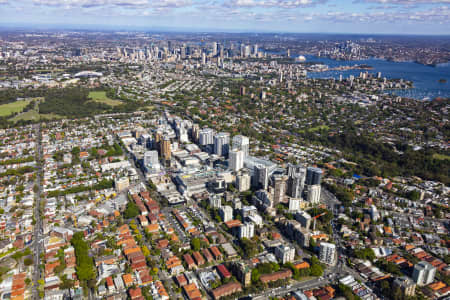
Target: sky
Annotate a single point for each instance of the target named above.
(327, 16)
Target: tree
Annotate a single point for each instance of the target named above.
(250, 248)
(145, 251)
(366, 253)
(75, 151)
(28, 261)
(85, 266)
(195, 244)
(66, 283)
(316, 268)
(255, 275)
(131, 211)
(413, 195)
(385, 287)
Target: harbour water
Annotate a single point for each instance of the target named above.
(425, 78)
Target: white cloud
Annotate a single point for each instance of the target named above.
(171, 3)
(436, 14)
(404, 2)
(272, 3)
(91, 3)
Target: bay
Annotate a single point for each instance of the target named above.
(425, 78)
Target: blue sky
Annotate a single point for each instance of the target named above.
(337, 16)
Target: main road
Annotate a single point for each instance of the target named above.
(38, 222)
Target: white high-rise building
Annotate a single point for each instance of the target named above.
(327, 253)
(246, 230)
(294, 204)
(215, 201)
(206, 136)
(374, 214)
(151, 159)
(214, 49)
(285, 253)
(247, 51)
(183, 135)
(226, 213)
(236, 160)
(243, 181)
(314, 194)
(242, 143)
(204, 58)
(222, 143)
(423, 273)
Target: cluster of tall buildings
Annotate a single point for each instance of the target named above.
(304, 183)
(297, 186)
(183, 51)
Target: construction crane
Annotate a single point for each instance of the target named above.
(315, 219)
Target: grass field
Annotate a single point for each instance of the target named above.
(100, 96)
(13, 107)
(441, 156)
(317, 128)
(33, 114)
(27, 116)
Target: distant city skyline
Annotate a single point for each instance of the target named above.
(431, 17)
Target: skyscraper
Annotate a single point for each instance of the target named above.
(296, 180)
(314, 194)
(243, 181)
(242, 143)
(262, 176)
(294, 204)
(214, 49)
(221, 51)
(247, 51)
(195, 133)
(204, 58)
(313, 176)
(222, 144)
(236, 160)
(255, 49)
(166, 151)
(279, 184)
(206, 136)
